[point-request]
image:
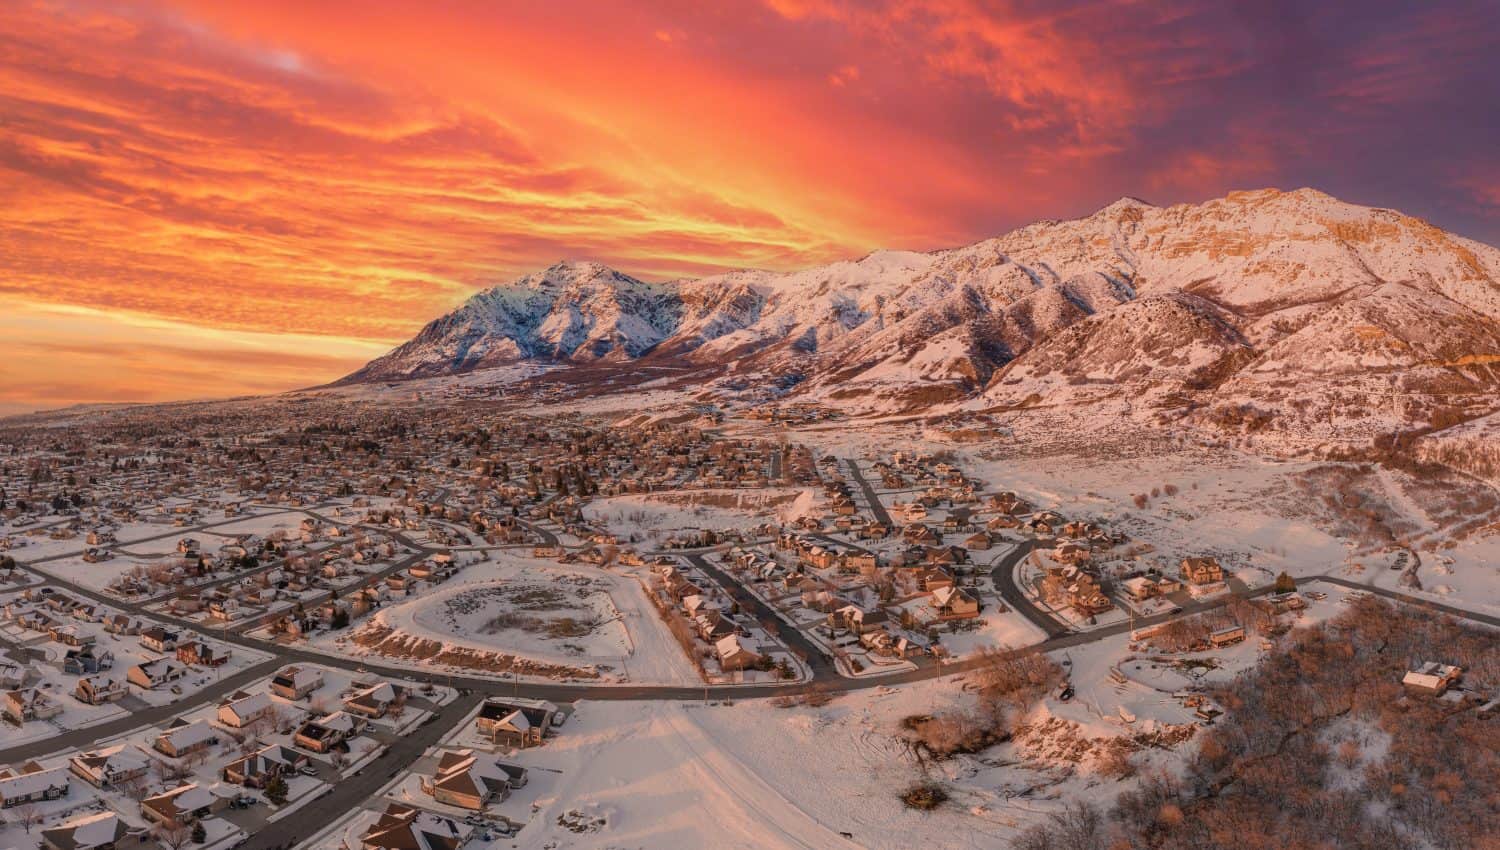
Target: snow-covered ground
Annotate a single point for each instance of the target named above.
(755, 775)
(654, 517)
(576, 617)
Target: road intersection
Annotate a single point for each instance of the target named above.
(350, 793)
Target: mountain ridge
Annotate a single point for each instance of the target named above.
(1132, 294)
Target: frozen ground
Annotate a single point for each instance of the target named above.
(575, 617)
(654, 517)
(754, 775)
(1252, 512)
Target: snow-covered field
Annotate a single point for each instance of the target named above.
(754, 775)
(573, 617)
(654, 517)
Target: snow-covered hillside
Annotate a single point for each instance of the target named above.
(1261, 307)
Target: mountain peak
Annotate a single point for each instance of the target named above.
(1127, 202)
(575, 270)
(577, 267)
(1045, 310)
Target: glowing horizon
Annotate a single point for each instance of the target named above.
(294, 188)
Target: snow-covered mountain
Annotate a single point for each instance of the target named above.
(572, 311)
(1294, 302)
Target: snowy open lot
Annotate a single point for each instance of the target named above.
(556, 619)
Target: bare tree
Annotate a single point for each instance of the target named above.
(133, 787)
(169, 771)
(29, 815)
(173, 834)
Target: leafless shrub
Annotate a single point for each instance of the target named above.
(924, 796)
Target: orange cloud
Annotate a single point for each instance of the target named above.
(340, 172)
(52, 355)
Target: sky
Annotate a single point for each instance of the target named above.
(242, 196)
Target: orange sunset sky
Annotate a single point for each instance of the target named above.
(217, 198)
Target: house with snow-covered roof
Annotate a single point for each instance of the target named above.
(402, 827)
(242, 709)
(184, 738)
(108, 767)
(99, 831)
(470, 781)
(374, 700)
(33, 783)
(1432, 678)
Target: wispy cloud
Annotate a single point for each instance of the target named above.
(345, 171)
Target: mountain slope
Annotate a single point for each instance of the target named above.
(1245, 300)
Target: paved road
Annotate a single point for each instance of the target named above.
(349, 794)
(547, 537)
(1003, 573)
(83, 738)
(871, 498)
(1412, 600)
(346, 795)
(822, 667)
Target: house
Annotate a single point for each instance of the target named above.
(33, 783)
(186, 804)
(199, 653)
(242, 709)
(258, 769)
(1227, 636)
(1141, 588)
(858, 620)
(184, 738)
(99, 831)
(150, 675)
(1281, 603)
(23, 704)
(886, 644)
(325, 733)
(13, 675)
(100, 688)
(1432, 678)
(402, 827)
(1201, 571)
(930, 579)
(87, 660)
(734, 655)
(122, 624)
(516, 722)
(468, 781)
(89, 613)
(373, 701)
(513, 729)
(158, 639)
(951, 603)
(69, 635)
(110, 766)
(1065, 584)
(296, 682)
(1072, 553)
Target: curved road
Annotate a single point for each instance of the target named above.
(353, 791)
